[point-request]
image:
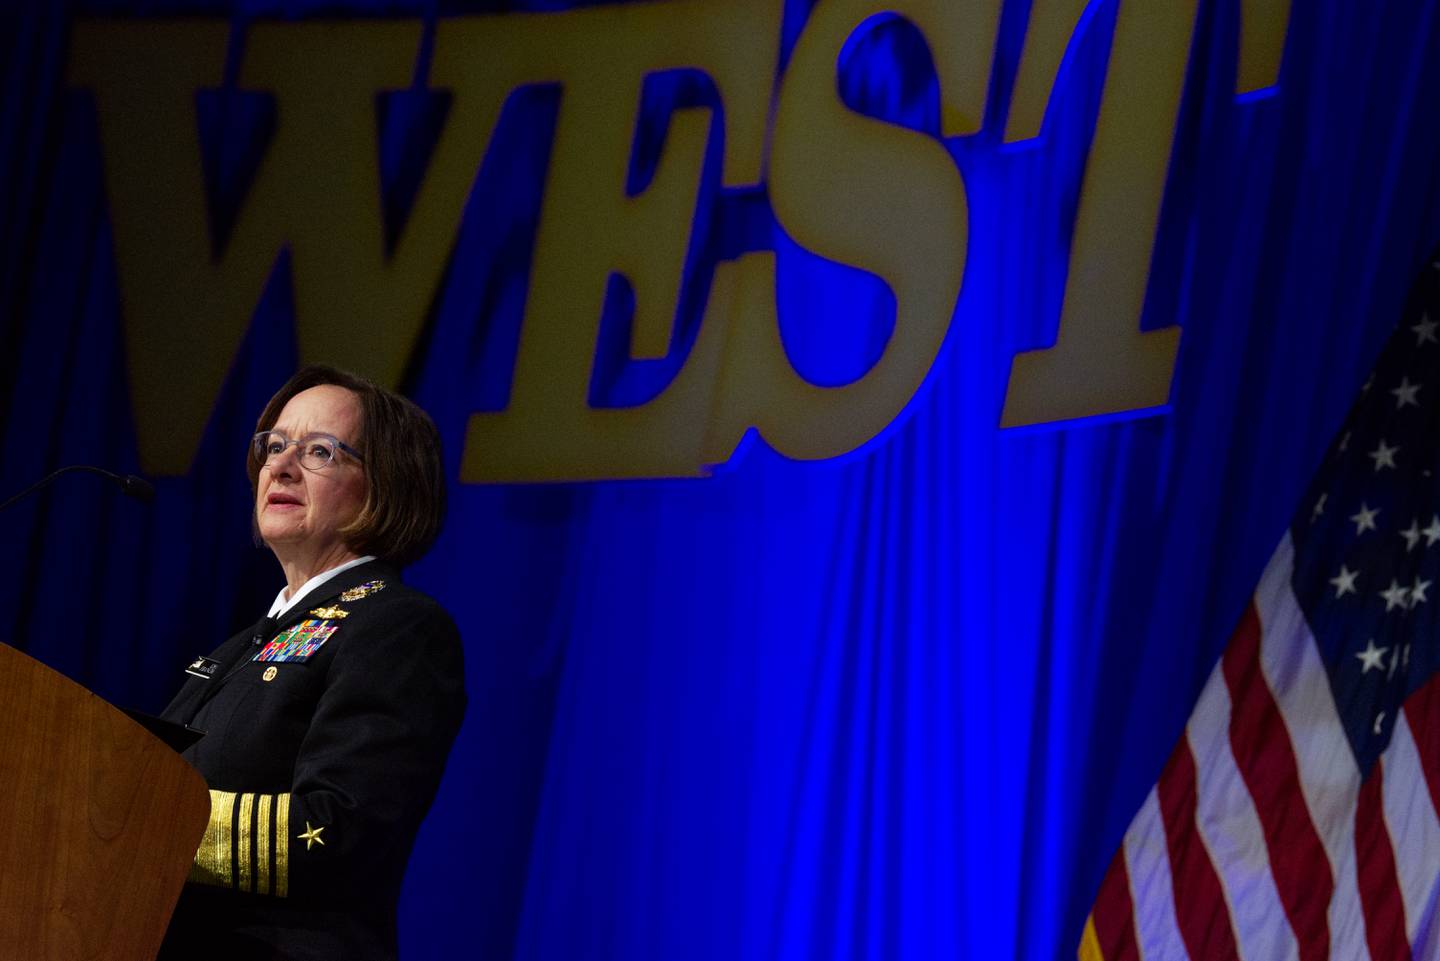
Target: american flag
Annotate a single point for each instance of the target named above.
(1297, 816)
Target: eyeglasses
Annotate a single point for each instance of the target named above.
(316, 450)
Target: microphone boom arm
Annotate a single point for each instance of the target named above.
(129, 484)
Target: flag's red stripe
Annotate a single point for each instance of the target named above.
(1114, 913)
(1266, 759)
(1379, 885)
(1422, 710)
(1200, 909)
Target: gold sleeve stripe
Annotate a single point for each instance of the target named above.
(244, 848)
(262, 844)
(282, 845)
(213, 864)
(1089, 943)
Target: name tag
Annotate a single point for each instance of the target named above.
(297, 643)
(203, 667)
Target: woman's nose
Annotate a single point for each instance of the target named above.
(285, 461)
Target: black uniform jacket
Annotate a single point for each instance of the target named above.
(324, 745)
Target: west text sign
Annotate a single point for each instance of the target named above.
(869, 194)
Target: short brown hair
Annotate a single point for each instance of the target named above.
(404, 474)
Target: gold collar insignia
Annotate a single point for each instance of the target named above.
(363, 590)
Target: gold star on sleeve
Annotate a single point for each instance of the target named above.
(311, 836)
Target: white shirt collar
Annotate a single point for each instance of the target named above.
(282, 605)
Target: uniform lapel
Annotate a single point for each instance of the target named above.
(195, 692)
(231, 655)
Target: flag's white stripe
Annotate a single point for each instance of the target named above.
(1347, 914)
(1147, 861)
(1329, 778)
(1414, 831)
(1231, 831)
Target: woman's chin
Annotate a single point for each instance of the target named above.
(274, 534)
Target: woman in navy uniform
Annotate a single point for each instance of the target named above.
(327, 725)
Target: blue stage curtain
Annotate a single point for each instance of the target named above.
(897, 705)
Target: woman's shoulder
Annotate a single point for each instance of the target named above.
(403, 635)
(379, 598)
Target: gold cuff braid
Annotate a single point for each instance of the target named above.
(246, 846)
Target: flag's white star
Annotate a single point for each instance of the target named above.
(1425, 331)
(1432, 533)
(1417, 592)
(1319, 507)
(1411, 535)
(1365, 520)
(1344, 581)
(1395, 595)
(1344, 442)
(1384, 456)
(1405, 394)
(1372, 656)
(1379, 720)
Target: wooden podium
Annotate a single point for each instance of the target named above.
(99, 822)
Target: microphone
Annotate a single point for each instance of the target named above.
(263, 628)
(129, 484)
(138, 488)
